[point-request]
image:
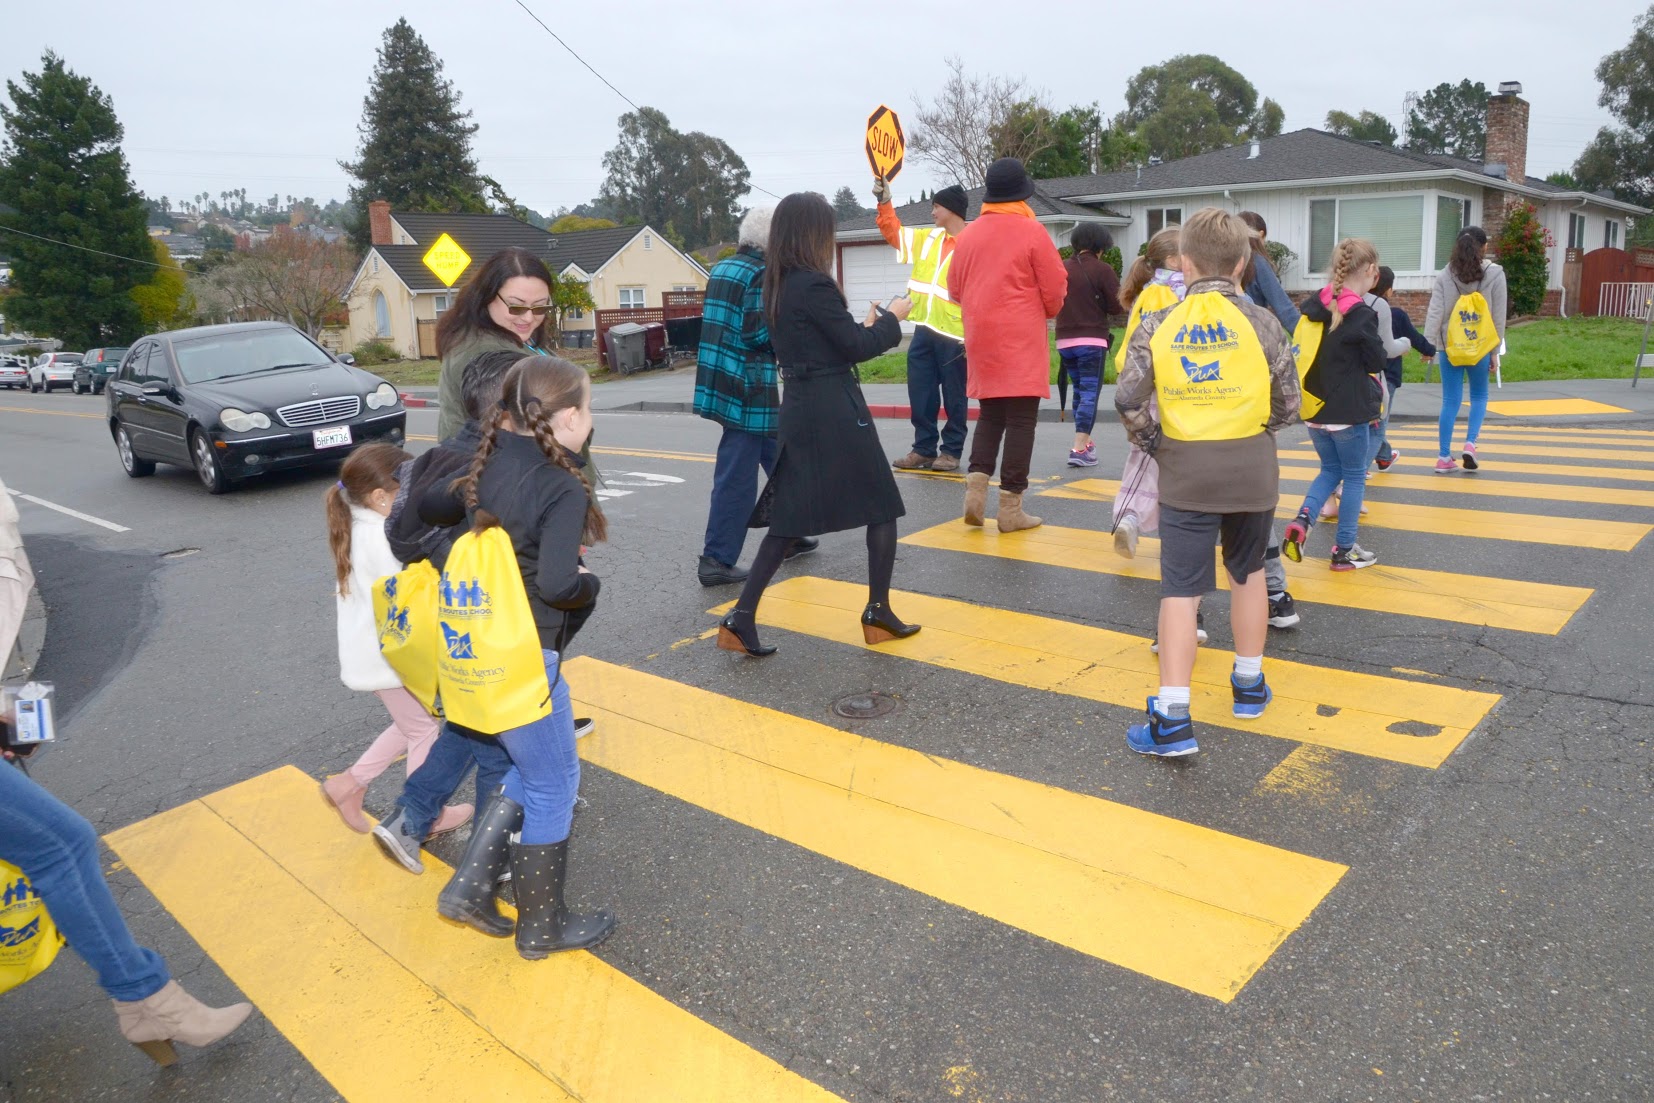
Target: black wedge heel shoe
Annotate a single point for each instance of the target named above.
(879, 625)
(732, 637)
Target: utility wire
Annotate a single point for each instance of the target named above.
(605, 79)
(82, 248)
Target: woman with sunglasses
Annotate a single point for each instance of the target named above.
(506, 305)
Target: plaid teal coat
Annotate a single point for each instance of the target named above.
(735, 377)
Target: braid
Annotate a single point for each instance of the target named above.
(1340, 273)
(597, 526)
(466, 484)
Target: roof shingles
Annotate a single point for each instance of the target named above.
(483, 235)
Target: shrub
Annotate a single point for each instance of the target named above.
(1114, 260)
(1521, 247)
(1280, 256)
(369, 353)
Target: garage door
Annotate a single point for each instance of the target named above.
(871, 274)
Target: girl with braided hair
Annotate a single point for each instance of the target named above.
(1341, 376)
(527, 478)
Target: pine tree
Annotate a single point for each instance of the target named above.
(416, 142)
(63, 172)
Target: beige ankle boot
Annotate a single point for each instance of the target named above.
(1011, 517)
(173, 1015)
(976, 498)
(345, 794)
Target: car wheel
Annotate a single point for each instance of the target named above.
(74, 386)
(206, 464)
(135, 467)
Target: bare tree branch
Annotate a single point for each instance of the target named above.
(292, 277)
(975, 119)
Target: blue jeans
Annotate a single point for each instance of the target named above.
(545, 768)
(429, 787)
(1453, 393)
(1381, 438)
(734, 491)
(936, 381)
(1084, 365)
(58, 851)
(1344, 458)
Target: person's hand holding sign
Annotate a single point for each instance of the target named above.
(881, 190)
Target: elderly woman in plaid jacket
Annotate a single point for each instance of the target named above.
(736, 386)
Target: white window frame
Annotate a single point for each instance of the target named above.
(382, 329)
(1427, 225)
(686, 287)
(1610, 233)
(1465, 219)
(441, 303)
(1576, 230)
(648, 240)
(1148, 223)
(623, 294)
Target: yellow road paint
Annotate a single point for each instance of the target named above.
(1504, 466)
(587, 1030)
(322, 982)
(1440, 595)
(691, 457)
(1306, 773)
(1554, 433)
(1403, 721)
(1519, 449)
(1175, 901)
(1485, 486)
(1552, 407)
(1529, 528)
(49, 413)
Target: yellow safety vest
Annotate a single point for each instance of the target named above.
(1210, 373)
(927, 284)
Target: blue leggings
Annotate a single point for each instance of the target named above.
(1453, 393)
(545, 768)
(1084, 365)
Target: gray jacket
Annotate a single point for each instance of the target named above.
(1393, 346)
(1446, 291)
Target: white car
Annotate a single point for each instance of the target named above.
(53, 370)
(13, 373)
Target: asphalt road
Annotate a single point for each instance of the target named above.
(1488, 941)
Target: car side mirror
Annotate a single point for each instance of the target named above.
(347, 358)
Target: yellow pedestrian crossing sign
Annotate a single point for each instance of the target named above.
(447, 260)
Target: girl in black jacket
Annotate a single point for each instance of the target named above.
(527, 479)
(1341, 376)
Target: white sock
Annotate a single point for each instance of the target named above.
(1171, 697)
(1248, 669)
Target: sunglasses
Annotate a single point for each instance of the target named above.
(518, 311)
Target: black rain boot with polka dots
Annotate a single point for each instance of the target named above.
(468, 897)
(544, 925)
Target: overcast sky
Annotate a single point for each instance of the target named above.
(217, 96)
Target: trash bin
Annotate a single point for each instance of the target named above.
(684, 333)
(628, 348)
(654, 343)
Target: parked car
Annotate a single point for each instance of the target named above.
(53, 370)
(13, 372)
(234, 401)
(94, 370)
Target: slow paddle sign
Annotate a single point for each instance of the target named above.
(885, 143)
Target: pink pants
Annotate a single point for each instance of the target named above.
(411, 733)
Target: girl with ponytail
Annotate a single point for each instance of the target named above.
(528, 479)
(357, 506)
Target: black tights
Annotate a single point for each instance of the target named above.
(881, 564)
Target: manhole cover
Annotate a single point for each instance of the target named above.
(179, 553)
(864, 706)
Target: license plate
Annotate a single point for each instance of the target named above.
(331, 438)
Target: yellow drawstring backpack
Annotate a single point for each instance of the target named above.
(1153, 297)
(1210, 372)
(1306, 346)
(29, 940)
(491, 669)
(1470, 332)
(405, 610)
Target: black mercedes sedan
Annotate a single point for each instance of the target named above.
(234, 401)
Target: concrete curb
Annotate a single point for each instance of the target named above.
(31, 637)
(414, 402)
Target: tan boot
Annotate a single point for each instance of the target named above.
(345, 794)
(976, 498)
(173, 1015)
(1011, 517)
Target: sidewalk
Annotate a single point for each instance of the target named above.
(1570, 401)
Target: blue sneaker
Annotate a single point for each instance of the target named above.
(1250, 701)
(1083, 457)
(1163, 736)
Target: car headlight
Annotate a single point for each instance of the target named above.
(383, 397)
(239, 421)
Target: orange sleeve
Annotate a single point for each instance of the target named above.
(1050, 274)
(889, 225)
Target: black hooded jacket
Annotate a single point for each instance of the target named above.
(1349, 357)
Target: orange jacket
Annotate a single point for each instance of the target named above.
(1009, 279)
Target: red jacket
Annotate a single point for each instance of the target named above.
(1008, 279)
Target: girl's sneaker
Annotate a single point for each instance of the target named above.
(1352, 558)
(1292, 540)
(1125, 536)
(1445, 466)
(1384, 464)
(1470, 463)
(1083, 457)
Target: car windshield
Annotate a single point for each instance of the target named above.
(111, 356)
(208, 358)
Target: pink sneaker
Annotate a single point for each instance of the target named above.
(1445, 466)
(1470, 463)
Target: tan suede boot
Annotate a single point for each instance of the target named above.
(345, 794)
(976, 498)
(173, 1015)
(1011, 517)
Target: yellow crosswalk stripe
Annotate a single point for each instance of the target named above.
(1489, 486)
(1561, 435)
(1636, 451)
(1516, 469)
(1391, 718)
(1184, 904)
(1524, 449)
(338, 946)
(1439, 595)
(1532, 528)
(1552, 407)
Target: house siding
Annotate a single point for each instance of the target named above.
(363, 320)
(656, 270)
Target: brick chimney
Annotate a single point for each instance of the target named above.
(1507, 132)
(379, 211)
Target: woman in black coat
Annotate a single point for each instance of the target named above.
(831, 473)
